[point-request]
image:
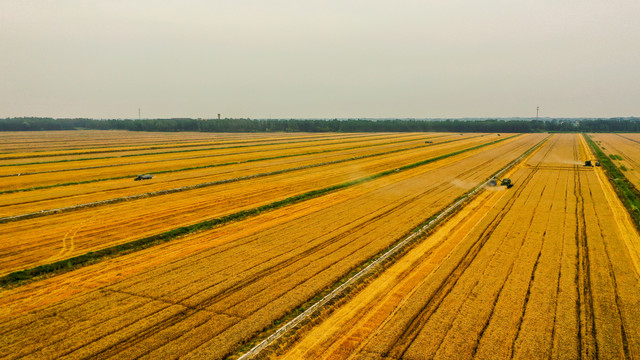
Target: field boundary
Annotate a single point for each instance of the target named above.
(386, 255)
(20, 277)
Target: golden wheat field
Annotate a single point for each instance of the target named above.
(548, 268)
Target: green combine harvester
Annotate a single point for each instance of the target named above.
(504, 182)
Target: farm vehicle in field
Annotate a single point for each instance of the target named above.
(504, 182)
(590, 163)
(143, 177)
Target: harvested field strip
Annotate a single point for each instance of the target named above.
(531, 277)
(152, 158)
(75, 199)
(160, 156)
(248, 273)
(182, 218)
(207, 147)
(123, 171)
(107, 148)
(17, 203)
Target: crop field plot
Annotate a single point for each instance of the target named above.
(548, 269)
(235, 233)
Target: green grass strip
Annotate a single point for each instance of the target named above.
(20, 277)
(626, 191)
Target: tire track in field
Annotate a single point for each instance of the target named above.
(587, 330)
(411, 331)
(477, 281)
(514, 260)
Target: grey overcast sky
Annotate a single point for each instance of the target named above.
(319, 59)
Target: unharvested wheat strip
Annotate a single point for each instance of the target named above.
(516, 295)
(536, 330)
(484, 280)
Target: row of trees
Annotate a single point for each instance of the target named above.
(351, 125)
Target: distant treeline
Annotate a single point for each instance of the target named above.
(346, 125)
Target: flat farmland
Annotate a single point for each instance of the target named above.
(57, 236)
(224, 164)
(203, 295)
(547, 269)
